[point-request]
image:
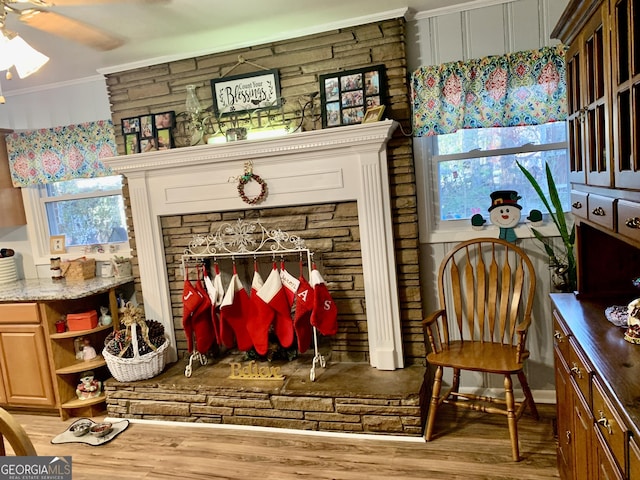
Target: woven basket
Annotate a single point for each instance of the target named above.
(140, 367)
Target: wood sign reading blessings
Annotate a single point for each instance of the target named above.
(252, 371)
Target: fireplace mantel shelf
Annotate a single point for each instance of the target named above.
(323, 166)
(304, 142)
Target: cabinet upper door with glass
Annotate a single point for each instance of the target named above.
(626, 91)
(588, 81)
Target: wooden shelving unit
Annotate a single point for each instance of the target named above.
(66, 368)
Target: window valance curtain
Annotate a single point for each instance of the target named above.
(62, 153)
(522, 88)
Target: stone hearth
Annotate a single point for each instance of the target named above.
(346, 397)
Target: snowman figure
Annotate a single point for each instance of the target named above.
(505, 213)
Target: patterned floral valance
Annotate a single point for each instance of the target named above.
(60, 153)
(523, 88)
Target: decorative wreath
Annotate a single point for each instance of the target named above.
(244, 179)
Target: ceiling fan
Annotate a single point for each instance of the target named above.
(37, 15)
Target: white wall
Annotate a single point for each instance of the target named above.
(64, 104)
(465, 34)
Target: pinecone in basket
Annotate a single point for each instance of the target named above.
(116, 341)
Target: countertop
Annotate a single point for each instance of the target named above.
(43, 289)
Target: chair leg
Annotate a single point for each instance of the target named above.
(511, 417)
(455, 384)
(527, 394)
(435, 402)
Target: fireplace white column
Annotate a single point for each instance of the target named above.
(323, 166)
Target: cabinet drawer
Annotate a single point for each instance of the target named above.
(629, 219)
(560, 337)
(600, 210)
(11, 313)
(579, 204)
(612, 428)
(580, 371)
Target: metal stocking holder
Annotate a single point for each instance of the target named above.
(245, 239)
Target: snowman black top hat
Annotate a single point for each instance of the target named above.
(505, 198)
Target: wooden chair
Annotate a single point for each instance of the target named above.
(13, 432)
(486, 288)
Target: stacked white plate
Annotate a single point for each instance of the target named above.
(8, 272)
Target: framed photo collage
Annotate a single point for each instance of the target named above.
(347, 96)
(148, 132)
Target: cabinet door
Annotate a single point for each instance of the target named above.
(575, 112)
(626, 92)
(582, 437)
(25, 366)
(595, 90)
(564, 417)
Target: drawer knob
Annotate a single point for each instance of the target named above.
(576, 205)
(604, 422)
(558, 336)
(599, 212)
(575, 370)
(633, 222)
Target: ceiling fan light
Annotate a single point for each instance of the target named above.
(27, 59)
(6, 55)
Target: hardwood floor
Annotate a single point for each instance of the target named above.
(463, 449)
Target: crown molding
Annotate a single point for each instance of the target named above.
(472, 5)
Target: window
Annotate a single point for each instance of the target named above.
(87, 211)
(470, 164)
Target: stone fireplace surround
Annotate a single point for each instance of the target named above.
(331, 165)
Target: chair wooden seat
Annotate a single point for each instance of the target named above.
(486, 288)
(480, 357)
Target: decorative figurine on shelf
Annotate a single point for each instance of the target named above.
(88, 352)
(505, 213)
(77, 346)
(535, 217)
(88, 387)
(105, 318)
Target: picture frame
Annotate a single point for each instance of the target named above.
(347, 96)
(131, 143)
(57, 244)
(141, 133)
(246, 92)
(373, 114)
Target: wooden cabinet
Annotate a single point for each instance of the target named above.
(11, 206)
(626, 91)
(67, 369)
(588, 80)
(598, 429)
(24, 362)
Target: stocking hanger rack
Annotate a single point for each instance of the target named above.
(248, 239)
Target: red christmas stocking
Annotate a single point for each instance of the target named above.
(290, 284)
(202, 322)
(260, 318)
(325, 313)
(211, 292)
(304, 307)
(273, 294)
(191, 298)
(234, 312)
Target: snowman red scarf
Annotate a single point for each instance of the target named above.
(325, 313)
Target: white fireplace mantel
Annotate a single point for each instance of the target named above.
(322, 166)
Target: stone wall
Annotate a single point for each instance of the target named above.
(300, 61)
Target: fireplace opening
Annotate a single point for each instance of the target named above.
(329, 230)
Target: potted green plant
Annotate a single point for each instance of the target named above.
(561, 260)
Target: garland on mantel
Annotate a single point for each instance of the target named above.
(246, 178)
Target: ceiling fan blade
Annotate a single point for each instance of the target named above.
(70, 29)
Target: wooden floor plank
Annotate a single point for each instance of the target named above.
(468, 446)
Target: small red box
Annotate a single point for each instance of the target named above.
(82, 321)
